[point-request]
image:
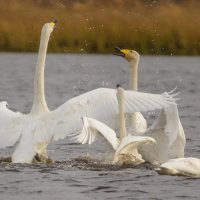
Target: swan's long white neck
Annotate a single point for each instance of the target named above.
(39, 102)
(133, 82)
(133, 85)
(122, 122)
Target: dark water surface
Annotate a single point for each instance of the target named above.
(69, 75)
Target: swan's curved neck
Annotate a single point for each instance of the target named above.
(122, 122)
(133, 83)
(39, 102)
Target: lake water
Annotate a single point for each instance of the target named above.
(69, 75)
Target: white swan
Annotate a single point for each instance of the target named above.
(126, 146)
(31, 133)
(167, 145)
(169, 136)
(180, 167)
(136, 122)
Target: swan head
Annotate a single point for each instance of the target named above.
(129, 55)
(48, 28)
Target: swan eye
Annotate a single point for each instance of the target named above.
(131, 51)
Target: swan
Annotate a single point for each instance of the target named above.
(137, 123)
(163, 150)
(31, 133)
(125, 146)
(169, 135)
(180, 167)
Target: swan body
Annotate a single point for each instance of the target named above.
(124, 150)
(180, 167)
(127, 150)
(136, 123)
(167, 146)
(126, 146)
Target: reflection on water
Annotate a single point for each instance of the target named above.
(75, 175)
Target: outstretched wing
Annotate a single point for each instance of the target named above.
(102, 105)
(169, 135)
(168, 120)
(10, 126)
(91, 128)
(25, 149)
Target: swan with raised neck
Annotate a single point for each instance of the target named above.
(122, 121)
(138, 122)
(39, 101)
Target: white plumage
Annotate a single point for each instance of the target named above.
(67, 119)
(169, 136)
(126, 146)
(136, 123)
(102, 105)
(181, 167)
(10, 129)
(31, 133)
(167, 130)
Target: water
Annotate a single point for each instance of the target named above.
(69, 75)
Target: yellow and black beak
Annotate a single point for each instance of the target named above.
(121, 52)
(53, 23)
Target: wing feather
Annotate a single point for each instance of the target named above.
(169, 135)
(130, 143)
(10, 126)
(92, 127)
(102, 105)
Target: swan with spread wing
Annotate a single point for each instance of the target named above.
(31, 133)
(136, 122)
(126, 146)
(167, 130)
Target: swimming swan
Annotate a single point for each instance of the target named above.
(125, 146)
(136, 122)
(180, 167)
(167, 145)
(31, 133)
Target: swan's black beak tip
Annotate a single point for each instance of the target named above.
(117, 49)
(55, 21)
(118, 85)
(119, 52)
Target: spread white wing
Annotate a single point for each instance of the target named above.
(169, 135)
(25, 149)
(10, 125)
(91, 128)
(102, 105)
(168, 120)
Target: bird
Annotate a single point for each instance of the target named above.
(180, 167)
(136, 121)
(169, 135)
(163, 150)
(31, 133)
(125, 147)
